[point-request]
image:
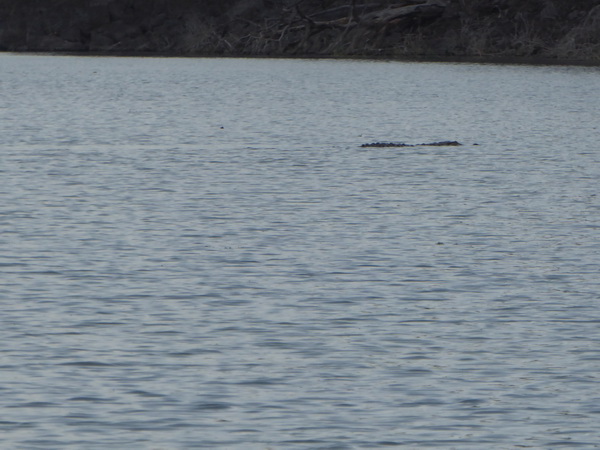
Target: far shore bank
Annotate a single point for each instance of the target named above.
(549, 32)
(491, 60)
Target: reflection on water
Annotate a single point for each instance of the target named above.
(197, 253)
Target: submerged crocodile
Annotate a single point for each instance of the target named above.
(402, 144)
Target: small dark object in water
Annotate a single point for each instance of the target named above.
(402, 144)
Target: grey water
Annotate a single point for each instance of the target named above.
(198, 253)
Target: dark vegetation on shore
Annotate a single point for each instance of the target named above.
(550, 29)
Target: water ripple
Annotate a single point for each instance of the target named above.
(168, 283)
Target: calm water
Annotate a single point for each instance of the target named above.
(199, 254)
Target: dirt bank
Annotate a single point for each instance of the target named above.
(544, 29)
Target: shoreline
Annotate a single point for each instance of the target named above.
(524, 32)
(491, 60)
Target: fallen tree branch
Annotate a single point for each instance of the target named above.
(424, 10)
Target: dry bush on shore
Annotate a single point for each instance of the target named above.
(583, 40)
(202, 35)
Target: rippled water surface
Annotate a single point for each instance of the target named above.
(198, 253)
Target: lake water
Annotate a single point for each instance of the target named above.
(198, 253)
